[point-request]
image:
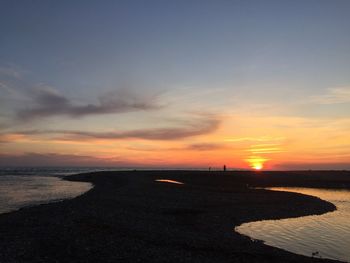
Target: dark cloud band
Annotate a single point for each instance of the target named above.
(48, 102)
(196, 127)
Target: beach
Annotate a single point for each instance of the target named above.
(130, 217)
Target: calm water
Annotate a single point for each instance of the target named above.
(31, 186)
(327, 234)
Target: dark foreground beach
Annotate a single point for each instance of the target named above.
(130, 217)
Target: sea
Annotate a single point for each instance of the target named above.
(29, 186)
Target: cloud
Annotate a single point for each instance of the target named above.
(333, 96)
(266, 148)
(49, 102)
(205, 146)
(3, 126)
(54, 159)
(255, 139)
(5, 88)
(10, 72)
(190, 147)
(196, 127)
(3, 139)
(33, 159)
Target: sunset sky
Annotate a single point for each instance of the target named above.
(249, 84)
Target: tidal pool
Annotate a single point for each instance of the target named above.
(168, 181)
(326, 236)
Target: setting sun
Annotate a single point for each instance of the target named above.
(256, 162)
(257, 166)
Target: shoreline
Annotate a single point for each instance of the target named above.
(53, 190)
(305, 235)
(128, 217)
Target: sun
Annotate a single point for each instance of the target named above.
(257, 166)
(256, 162)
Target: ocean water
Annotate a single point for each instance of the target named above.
(325, 236)
(20, 187)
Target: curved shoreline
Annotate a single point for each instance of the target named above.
(127, 217)
(38, 197)
(303, 235)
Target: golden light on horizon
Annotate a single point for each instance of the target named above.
(256, 162)
(257, 166)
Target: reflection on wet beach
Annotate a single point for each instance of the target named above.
(168, 181)
(326, 235)
(21, 191)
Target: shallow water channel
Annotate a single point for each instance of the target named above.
(326, 236)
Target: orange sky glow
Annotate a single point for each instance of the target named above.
(191, 84)
(250, 147)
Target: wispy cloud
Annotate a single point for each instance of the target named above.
(54, 159)
(189, 147)
(3, 139)
(333, 96)
(49, 102)
(255, 139)
(205, 146)
(265, 148)
(10, 72)
(198, 126)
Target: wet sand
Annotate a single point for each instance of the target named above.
(130, 217)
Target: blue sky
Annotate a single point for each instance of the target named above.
(179, 57)
(91, 44)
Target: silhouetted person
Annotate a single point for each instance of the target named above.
(209, 169)
(224, 167)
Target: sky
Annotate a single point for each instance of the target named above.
(175, 84)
